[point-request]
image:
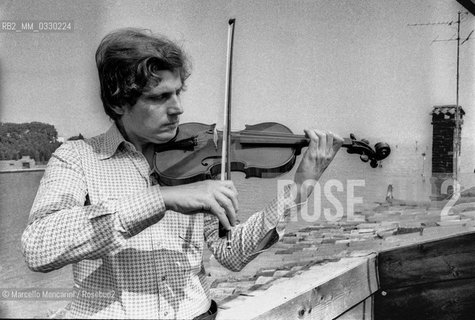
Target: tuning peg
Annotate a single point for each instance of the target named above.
(373, 163)
(352, 136)
(364, 158)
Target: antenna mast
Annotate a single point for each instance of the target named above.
(457, 113)
(457, 131)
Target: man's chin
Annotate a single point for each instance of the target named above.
(165, 137)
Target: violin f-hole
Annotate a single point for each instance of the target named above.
(205, 164)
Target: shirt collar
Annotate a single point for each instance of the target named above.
(111, 141)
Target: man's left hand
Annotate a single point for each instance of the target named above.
(320, 153)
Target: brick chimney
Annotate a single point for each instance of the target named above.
(443, 138)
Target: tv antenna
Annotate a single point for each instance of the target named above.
(457, 142)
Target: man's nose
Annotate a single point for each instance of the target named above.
(175, 105)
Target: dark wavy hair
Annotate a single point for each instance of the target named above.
(128, 61)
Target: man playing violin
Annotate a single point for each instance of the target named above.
(136, 247)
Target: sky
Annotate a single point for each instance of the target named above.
(345, 66)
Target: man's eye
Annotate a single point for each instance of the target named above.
(159, 98)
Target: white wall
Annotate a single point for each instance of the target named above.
(346, 65)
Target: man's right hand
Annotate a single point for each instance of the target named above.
(213, 196)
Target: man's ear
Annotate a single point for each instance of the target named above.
(118, 110)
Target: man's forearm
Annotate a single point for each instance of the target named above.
(59, 238)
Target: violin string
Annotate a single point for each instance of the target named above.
(281, 136)
(258, 134)
(250, 134)
(277, 134)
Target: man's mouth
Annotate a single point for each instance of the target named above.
(172, 124)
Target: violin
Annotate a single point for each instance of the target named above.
(264, 150)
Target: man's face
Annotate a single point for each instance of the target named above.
(154, 117)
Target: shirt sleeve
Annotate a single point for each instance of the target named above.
(250, 238)
(63, 228)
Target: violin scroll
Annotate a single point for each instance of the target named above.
(381, 150)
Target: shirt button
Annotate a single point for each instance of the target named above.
(164, 278)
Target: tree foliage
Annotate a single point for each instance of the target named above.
(35, 139)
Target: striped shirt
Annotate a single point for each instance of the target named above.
(98, 207)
